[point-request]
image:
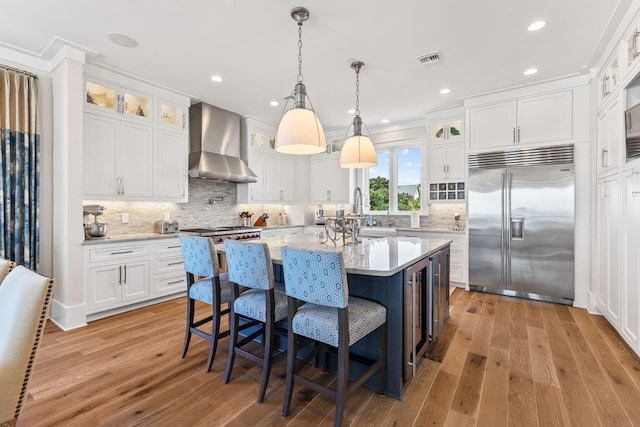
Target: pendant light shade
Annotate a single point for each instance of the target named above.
(358, 150)
(299, 130)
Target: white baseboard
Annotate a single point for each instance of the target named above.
(66, 317)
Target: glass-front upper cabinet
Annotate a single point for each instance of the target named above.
(172, 116)
(446, 129)
(104, 97)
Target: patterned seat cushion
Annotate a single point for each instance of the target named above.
(253, 302)
(202, 291)
(321, 322)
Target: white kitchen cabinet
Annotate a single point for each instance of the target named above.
(608, 80)
(608, 294)
(631, 257)
(275, 177)
(546, 118)
(279, 178)
(112, 285)
(610, 136)
(171, 180)
(168, 268)
(173, 116)
(118, 159)
(109, 98)
(122, 276)
(446, 161)
(135, 139)
(329, 182)
(448, 129)
(458, 256)
(267, 233)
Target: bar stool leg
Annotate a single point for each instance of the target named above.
(266, 361)
(187, 333)
(343, 372)
(292, 351)
(215, 332)
(233, 340)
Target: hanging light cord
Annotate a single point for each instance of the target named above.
(299, 52)
(357, 92)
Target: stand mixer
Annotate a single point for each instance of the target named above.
(95, 229)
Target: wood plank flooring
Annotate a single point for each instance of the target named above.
(500, 361)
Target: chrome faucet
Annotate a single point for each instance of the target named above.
(357, 197)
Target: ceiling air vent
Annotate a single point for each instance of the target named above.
(429, 58)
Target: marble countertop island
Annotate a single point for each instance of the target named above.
(373, 256)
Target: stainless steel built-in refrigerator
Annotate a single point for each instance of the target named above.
(521, 223)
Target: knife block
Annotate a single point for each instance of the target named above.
(260, 222)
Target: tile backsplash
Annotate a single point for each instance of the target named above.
(214, 203)
(211, 204)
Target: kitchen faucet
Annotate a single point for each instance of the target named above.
(357, 197)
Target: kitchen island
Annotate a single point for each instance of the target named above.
(382, 269)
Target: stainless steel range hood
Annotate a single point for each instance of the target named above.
(214, 139)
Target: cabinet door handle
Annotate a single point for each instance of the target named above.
(518, 134)
(184, 120)
(125, 274)
(514, 135)
(119, 275)
(603, 192)
(328, 195)
(635, 44)
(604, 152)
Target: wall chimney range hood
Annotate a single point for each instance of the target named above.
(214, 140)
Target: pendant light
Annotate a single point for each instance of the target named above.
(358, 150)
(300, 131)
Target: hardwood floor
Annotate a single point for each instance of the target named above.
(501, 361)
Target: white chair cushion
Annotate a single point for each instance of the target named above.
(24, 302)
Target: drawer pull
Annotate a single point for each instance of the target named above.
(173, 247)
(176, 263)
(175, 282)
(121, 252)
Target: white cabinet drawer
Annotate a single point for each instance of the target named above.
(169, 284)
(167, 265)
(168, 246)
(109, 252)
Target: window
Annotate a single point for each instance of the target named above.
(395, 182)
(408, 183)
(379, 183)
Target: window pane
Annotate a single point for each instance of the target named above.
(379, 183)
(409, 179)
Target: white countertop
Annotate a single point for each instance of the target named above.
(379, 256)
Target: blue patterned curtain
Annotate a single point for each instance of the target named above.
(19, 166)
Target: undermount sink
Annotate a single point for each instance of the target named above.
(377, 231)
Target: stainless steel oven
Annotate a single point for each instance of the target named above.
(220, 234)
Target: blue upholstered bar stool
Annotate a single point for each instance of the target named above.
(328, 316)
(249, 265)
(213, 288)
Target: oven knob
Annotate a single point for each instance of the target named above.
(220, 239)
(237, 237)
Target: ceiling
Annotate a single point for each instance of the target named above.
(252, 44)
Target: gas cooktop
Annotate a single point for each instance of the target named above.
(218, 229)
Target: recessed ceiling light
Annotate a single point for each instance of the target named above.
(385, 120)
(445, 91)
(122, 40)
(216, 79)
(351, 112)
(274, 103)
(535, 26)
(530, 71)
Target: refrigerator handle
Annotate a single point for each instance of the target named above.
(509, 231)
